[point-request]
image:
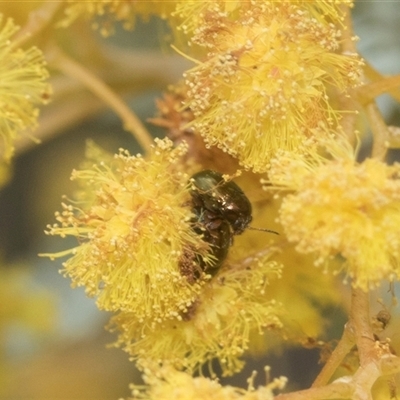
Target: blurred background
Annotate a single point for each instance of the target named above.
(53, 341)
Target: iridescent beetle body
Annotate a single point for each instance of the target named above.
(222, 210)
(225, 200)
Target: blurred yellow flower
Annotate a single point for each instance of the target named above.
(23, 86)
(138, 251)
(125, 11)
(195, 15)
(23, 305)
(345, 208)
(231, 307)
(264, 85)
(170, 384)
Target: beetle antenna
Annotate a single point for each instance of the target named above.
(262, 230)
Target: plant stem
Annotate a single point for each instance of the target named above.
(336, 390)
(379, 130)
(379, 85)
(38, 20)
(343, 348)
(385, 84)
(369, 370)
(360, 321)
(77, 71)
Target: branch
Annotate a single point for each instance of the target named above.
(336, 390)
(360, 321)
(77, 71)
(379, 130)
(343, 348)
(385, 84)
(38, 20)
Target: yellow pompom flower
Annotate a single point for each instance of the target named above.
(264, 85)
(138, 249)
(340, 207)
(230, 308)
(169, 384)
(125, 11)
(23, 85)
(194, 15)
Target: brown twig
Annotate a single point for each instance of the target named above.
(336, 390)
(379, 130)
(379, 85)
(361, 325)
(38, 20)
(360, 320)
(77, 71)
(386, 84)
(346, 343)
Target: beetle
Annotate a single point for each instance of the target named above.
(220, 239)
(220, 200)
(221, 210)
